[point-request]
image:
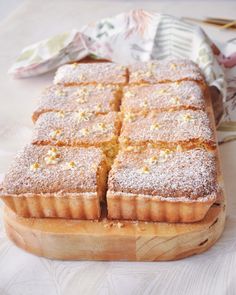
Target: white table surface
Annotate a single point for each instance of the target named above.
(21, 273)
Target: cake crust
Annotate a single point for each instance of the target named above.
(124, 206)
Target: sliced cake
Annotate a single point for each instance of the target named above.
(187, 128)
(163, 97)
(62, 182)
(162, 71)
(97, 99)
(79, 129)
(162, 185)
(91, 73)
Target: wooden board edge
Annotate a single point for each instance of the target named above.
(106, 240)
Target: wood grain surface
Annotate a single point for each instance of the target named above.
(114, 240)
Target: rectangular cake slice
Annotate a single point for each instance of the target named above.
(91, 73)
(78, 129)
(187, 128)
(163, 97)
(62, 182)
(163, 71)
(97, 99)
(162, 185)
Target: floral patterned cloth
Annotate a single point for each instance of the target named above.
(139, 35)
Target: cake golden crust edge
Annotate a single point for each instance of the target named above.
(128, 206)
(69, 206)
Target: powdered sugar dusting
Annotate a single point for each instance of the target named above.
(163, 96)
(75, 128)
(50, 178)
(104, 73)
(164, 71)
(90, 98)
(78, 111)
(189, 174)
(185, 125)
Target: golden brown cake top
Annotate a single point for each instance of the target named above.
(187, 174)
(163, 96)
(83, 73)
(76, 127)
(92, 98)
(48, 169)
(184, 125)
(164, 71)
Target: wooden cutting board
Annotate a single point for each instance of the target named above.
(116, 240)
(113, 240)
